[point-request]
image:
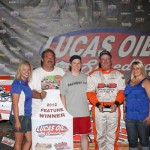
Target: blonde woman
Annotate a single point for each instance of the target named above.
(20, 116)
(137, 107)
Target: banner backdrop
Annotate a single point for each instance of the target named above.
(83, 27)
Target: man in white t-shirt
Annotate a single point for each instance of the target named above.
(43, 78)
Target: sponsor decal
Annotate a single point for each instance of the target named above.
(2, 7)
(14, 60)
(62, 146)
(126, 24)
(43, 26)
(2, 55)
(70, 6)
(126, 13)
(29, 55)
(43, 14)
(125, 1)
(69, 25)
(14, 26)
(8, 141)
(2, 66)
(97, 13)
(98, 1)
(112, 19)
(14, 49)
(28, 8)
(2, 20)
(83, 7)
(29, 20)
(140, 7)
(2, 31)
(14, 13)
(14, 37)
(1, 44)
(43, 146)
(28, 32)
(27, 43)
(110, 85)
(48, 130)
(14, 2)
(101, 85)
(139, 20)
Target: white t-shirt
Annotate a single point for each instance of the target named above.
(44, 80)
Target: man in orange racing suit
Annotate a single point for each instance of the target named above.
(105, 87)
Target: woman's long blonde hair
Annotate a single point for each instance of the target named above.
(20, 69)
(141, 66)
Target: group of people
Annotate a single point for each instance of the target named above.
(104, 88)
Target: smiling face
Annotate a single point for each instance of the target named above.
(48, 61)
(25, 72)
(105, 62)
(76, 65)
(136, 71)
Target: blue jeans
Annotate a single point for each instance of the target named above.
(137, 129)
(25, 123)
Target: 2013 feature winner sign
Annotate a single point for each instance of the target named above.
(52, 126)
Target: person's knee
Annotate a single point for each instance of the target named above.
(18, 142)
(133, 144)
(29, 140)
(144, 143)
(28, 137)
(84, 137)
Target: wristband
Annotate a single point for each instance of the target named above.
(124, 110)
(40, 96)
(117, 103)
(97, 104)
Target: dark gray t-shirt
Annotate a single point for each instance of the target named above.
(74, 89)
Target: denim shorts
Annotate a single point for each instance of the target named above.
(25, 123)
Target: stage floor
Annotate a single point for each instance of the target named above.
(92, 146)
(6, 131)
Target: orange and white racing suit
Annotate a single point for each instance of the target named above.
(106, 87)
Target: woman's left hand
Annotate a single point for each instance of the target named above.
(147, 120)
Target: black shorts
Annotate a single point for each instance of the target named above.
(25, 123)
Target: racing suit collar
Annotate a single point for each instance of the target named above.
(106, 71)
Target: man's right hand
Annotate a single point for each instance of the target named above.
(101, 108)
(43, 94)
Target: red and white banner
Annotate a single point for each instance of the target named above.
(125, 48)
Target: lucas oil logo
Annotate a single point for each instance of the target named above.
(49, 130)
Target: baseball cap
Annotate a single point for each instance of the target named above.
(74, 57)
(105, 52)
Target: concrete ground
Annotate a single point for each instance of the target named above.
(5, 131)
